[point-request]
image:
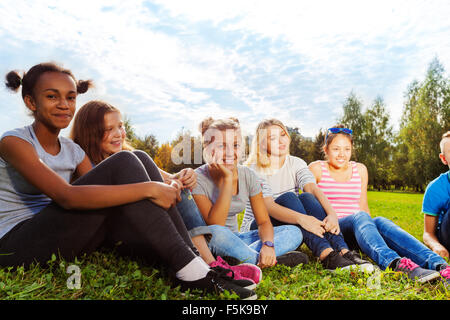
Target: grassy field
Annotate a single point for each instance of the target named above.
(107, 276)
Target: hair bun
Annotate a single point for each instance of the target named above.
(13, 80)
(84, 85)
(205, 124)
(234, 119)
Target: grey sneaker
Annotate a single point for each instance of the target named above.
(414, 272)
(361, 264)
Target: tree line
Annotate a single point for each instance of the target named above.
(406, 159)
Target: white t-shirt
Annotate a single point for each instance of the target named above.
(291, 177)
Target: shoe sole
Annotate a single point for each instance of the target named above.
(365, 267)
(253, 297)
(251, 287)
(428, 278)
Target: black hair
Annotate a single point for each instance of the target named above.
(29, 79)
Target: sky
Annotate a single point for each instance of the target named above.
(168, 64)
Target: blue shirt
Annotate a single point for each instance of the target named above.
(436, 201)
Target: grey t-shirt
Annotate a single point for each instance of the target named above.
(19, 200)
(248, 187)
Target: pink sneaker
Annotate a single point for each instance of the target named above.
(445, 274)
(241, 271)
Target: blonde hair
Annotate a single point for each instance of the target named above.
(257, 156)
(209, 126)
(444, 136)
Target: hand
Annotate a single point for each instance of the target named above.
(164, 195)
(220, 172)
(332, 224)
(188, 178)
(312, 224)
(267, 257)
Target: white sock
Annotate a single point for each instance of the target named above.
(194, 270)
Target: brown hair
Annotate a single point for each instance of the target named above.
(218, 124)
(89, 127)
(261, 159)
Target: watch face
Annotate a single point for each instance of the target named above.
(268, 243)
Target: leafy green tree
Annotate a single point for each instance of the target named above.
(425, 118)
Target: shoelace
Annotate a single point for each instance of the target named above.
(407, 264)
(225, 265)
(445, 273)
(223, 273)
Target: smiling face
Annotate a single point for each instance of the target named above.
(225, 148)
(54, 100)
(114, 134)
(339, 151)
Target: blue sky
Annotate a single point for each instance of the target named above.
(168, 64)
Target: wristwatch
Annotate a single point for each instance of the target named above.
(269, 244)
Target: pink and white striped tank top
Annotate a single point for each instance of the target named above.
(343, 196)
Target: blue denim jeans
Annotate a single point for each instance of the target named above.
(245, 246)
(192, 218)
(444, 231)
(383, 241)
(307, 203)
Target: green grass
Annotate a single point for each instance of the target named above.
(105, 275)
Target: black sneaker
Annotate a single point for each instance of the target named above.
(362, 264)
(244, 283)
(414, 272)
(215, 283)
(292, 258)
(334, 260)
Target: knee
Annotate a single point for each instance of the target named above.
(286, 199)
(362, 218)
(306, 196)
(142, 155)
(124, 157)
(383, 222)
(292, 233)
(220, 234)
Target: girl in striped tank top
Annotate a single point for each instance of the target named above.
(344, 182)
(282, 176)
(344, 197)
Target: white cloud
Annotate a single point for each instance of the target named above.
(294, 60)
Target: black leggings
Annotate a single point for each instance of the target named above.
(140, 229)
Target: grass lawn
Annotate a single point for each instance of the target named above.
(107, 276)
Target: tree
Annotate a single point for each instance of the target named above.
(376, 148)
(354, 119)
(425, 118)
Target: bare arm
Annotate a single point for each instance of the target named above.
(267, 255)
(287, 215)
(331, 221)
(216, 213)
(363, 203)
(23, 157)
(429, 236)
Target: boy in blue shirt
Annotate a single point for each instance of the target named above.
(436, 206)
